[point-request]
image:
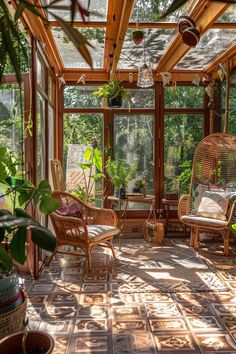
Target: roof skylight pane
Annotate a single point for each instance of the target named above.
(98, 7)
(229, 16)
(156, 41)
(70, 56)
(149, 11)
(212, 44)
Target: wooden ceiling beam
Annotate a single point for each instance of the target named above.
(204, 14)
(102, 76)
(118, 30)
(228, 54)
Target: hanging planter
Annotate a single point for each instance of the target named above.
(137, 36)
(188, 30)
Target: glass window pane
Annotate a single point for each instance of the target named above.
(213, 43)
(184, 97)
(229, 15)
(133, 142)
(70, 56)
(156, 42)
(12, 135)
(232, 103)
(79, 130)
(40, 74)
(182, 134)
(40, 139)
(98, 10)
(151, 10)
(141, 98)
(80, 97)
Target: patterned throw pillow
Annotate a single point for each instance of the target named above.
(214, 205)
(70, 210)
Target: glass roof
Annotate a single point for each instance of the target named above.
(149, 11)
(229, 15)
(156, 41)
(211, 45)
(99, 7)
(69, 54)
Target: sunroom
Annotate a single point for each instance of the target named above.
(166, 280)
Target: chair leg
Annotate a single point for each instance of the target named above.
(88, 258)
(226, 243)
(192, 238)
(196, 239)
(110, 245)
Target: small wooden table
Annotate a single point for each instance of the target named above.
(123, 205)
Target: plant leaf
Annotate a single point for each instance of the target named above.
(5, 259)
(43, 237)
(17, 245)
(176, 4)
(19, 10)
(48, 204)
(78, 39)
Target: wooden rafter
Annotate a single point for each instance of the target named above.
(117, 30)
(204, 14)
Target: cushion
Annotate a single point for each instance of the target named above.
(97, 231)
(200, 220)
(70, 210)
(214, 205)
(199, 189)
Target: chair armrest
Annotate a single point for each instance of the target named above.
(184, 205)
(102, 216)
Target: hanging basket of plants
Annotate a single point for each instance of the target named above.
(137, 36)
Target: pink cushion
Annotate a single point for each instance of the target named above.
(70, 210)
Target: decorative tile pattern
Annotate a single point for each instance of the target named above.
(118, 309)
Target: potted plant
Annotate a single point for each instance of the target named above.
(113, 93)
(14, 229)
(137, 36)
(139, 186)
(120, 173)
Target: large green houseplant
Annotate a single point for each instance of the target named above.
(113, 93)
(15, 223)
(16, 226)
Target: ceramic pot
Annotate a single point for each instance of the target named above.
(185, 22)
(191, 36)
(10, 296)
(37, 342)
(114, 102)
(137, 36)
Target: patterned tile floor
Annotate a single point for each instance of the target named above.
(86, 313)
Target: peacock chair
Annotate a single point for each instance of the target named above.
(210, 205)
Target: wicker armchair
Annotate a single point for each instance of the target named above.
(210, 206)
(94, 226)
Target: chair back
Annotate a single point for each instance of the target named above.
(58, 179)
(214, 166)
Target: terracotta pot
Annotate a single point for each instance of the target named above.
(37, 342)
(191, 36)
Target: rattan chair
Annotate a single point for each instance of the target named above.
(58, 179)
(213, 187)
(94, 226)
